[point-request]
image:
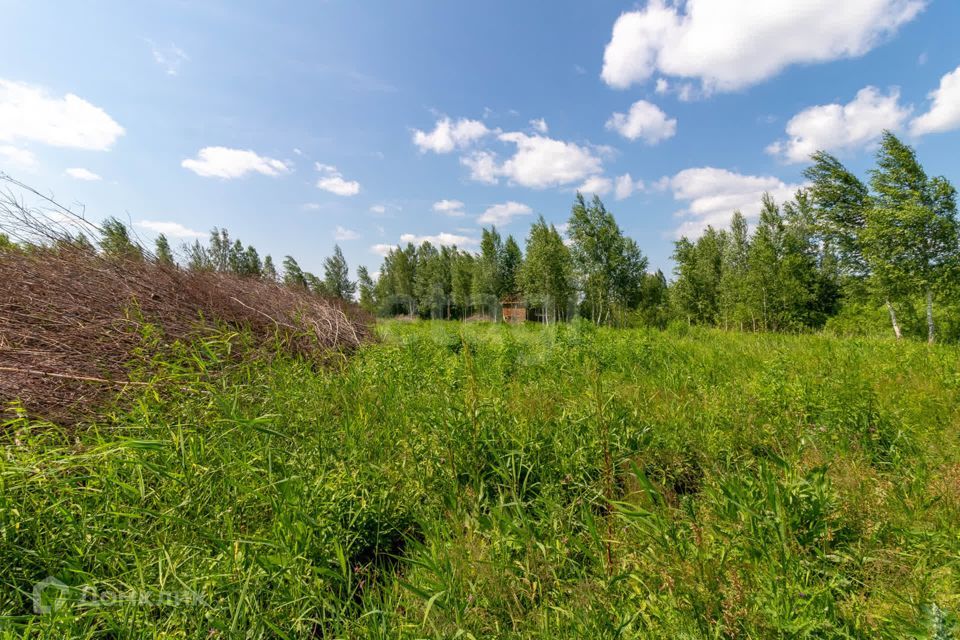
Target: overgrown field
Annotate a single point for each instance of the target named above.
(488, 481)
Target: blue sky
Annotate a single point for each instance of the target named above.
(297, 125)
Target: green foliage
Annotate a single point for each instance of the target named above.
(269, 271)
(163, 252)
(115, 241)
(608, 265)
(546, 276)
(336, 276)
(6, 244)
(483, 480)
(293, 275)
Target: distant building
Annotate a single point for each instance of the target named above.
(514, 310)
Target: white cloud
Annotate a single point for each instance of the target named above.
(539, 125)
(662, 87)
(687, 92)
(839, 127)
(625, 185)
(731, 44)
(448, 135)
(453, 208)
(333, 181)
(379, 209)
(226, 163)
(30, 113)
(170, 229)
(644, 120)
(944, 113)
(443, 239)
(538, 162)
(82, 174)
(483, 166)
(16, 156)
(543, 162)
(169, 58)
(504, 213)
(342, 233)
(712, 195)
(382, 249)
(596, 185)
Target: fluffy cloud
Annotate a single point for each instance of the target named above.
(625, 185)
(731, 44)
(342, 233)
(82, 174)
(944, 113)
(483, 166)
(538, 162)
(503, 214)
(452, 208)
(596, 185)
(30, 113)
(539, 125)
(17, 156)
(645, 121)
(226, 163)
(333, 181)
(542, 162)
(448, 135)
(712, 195)
(381, 249)
(442, 239)
(838, 127)
(170, 229)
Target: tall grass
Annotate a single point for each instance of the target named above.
(483, 480)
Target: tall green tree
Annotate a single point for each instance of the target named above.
(163, 252)
(734, 287)
(912, 232)
(511, 259)
(461, 281)
(336, 276)
(486, 284)
(400, 269)
(293, 275)
(841, 203)
(366, 286)
(252, 266)
(696, 289)
(432, 280)
(269, 271)
(219, 249)
(546, 275)
(609, 266)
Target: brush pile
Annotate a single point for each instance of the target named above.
(72, 319)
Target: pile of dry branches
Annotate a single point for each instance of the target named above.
(72, 319)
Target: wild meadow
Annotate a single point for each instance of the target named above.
(481, 480)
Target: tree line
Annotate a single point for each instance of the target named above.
(839, 250)
(598, 273)
(838, 253)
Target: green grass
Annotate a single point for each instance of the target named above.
(488, 481)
